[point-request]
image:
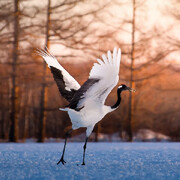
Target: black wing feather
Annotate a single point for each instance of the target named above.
(58, 77)
(79, 94)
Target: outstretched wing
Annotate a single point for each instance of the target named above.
(103, 77)
(67, 85)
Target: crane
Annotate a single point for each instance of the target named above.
(86, 103)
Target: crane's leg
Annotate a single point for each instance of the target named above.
(62, 157)
(84, 147)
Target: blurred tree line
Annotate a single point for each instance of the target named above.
(82, 30)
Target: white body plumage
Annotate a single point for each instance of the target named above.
(86, 106)
(86, 103)
(88, 116)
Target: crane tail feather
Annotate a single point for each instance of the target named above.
(63, 109)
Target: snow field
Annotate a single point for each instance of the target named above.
(130, 161)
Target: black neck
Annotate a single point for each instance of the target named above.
(118, 100)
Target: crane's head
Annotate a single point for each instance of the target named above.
(123, 87)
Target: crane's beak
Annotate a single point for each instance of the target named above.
(131, 89)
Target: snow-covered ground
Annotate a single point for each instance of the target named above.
(143, 135)
(103, 161)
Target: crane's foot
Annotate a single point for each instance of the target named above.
(62, 161)
(83, 164)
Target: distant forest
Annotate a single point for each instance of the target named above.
(77, 32)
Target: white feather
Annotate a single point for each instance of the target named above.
(103, 77)
(105, 59)
(108, 75)
(114, 55)
(118, 59)
(100, 61)
(109, 57)
(70, 82)
(92, 101)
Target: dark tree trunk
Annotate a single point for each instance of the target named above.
(132, 83)
(97, 131)
(13, 132)
(44, 90)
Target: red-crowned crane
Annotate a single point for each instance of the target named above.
(86, 103)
